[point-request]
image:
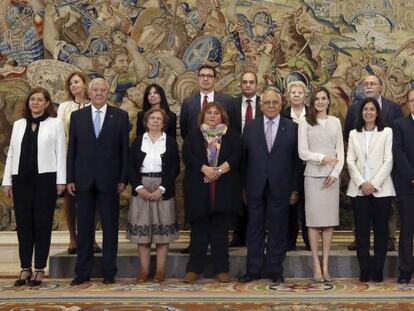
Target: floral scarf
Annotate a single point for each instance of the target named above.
(213, 136)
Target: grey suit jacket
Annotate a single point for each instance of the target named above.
(191, 107)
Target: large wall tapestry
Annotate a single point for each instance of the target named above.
(133, 43)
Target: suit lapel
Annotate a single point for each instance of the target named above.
(109, 115)
(89, 120)
(260, 132)
(385, 108)
(374, 139)
(280, 133)
(258, 113)
(197, 105)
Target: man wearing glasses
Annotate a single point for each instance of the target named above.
(192, 105)
(372, 87)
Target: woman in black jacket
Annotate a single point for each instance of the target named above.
(212, 193)
(154, 97)
(154, 166)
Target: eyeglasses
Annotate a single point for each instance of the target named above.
(202, 76)
(271, 103)
(370, 83)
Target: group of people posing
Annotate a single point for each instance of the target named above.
(247, 161)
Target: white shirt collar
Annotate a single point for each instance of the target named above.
(253, 99)
(161, 138)
(102, 109)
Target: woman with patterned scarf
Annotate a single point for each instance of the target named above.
(212, 194)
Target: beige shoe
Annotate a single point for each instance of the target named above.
(159, 277)
(142, 277)
(223, 277)
(191, 277)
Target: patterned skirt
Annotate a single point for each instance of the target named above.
(151, 222)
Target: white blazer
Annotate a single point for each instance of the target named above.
(379, 158)
(51, 155)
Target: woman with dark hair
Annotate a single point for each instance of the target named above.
(154, 97)
(34, 175)
(370, 161)
(320, 144)
(154, 166)
(212, 192)
(76, 87)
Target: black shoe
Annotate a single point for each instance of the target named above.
(291, 247)
(404, 278)
(79, 280)
(364, 276)
(352, 246)
(237, 242)
(109, 280)
(391, 245)
(23, 281)
(97, 249)
(247, 277)
(37, 278)
(72, 250)
(277, 278)
(185, 250)
(377, 276)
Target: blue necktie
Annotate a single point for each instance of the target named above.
(97, 123)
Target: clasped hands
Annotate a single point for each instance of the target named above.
(212, 173)
(367, 188)
(150, 196)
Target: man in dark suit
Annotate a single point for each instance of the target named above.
(372, 86)
(403, 147)
(192, 105)
(97, 173)
(247, 108)
(270, 176)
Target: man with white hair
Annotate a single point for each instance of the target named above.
(97, 163)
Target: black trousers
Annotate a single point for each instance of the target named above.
(209, 230)
(296, 216)
(405, 251)
(107, 204)
(34, 205)
(267, 216)
(371, 210)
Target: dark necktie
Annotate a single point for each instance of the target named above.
(249, 112)
(205, 101)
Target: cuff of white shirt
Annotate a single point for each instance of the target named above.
(162, 189)
(335, 174)
(139, 187)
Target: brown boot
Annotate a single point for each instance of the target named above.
(223, 277)
(159, 277)
(191, 277)
(142, 277)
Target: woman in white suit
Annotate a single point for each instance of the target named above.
(35, 174)
(320, 144)
(369, 160)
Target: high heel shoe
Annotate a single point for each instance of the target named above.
(319, 279)
(22, 281)
(327, 277)
(39, 273)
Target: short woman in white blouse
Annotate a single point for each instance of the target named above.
(154, 166)
(370, 161)
(321, 146)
